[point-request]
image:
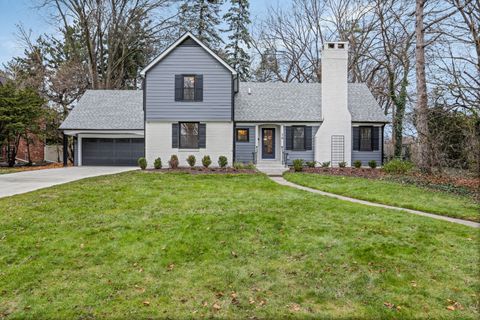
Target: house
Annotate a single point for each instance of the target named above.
(193, 103)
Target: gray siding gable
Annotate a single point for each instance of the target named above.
(188, 59)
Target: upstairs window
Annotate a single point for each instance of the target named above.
(242, 135)
(188, 87)
(189, 135)
(298, 138)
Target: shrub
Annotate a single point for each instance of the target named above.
(357, 164)
(222, 161)
(206, 161)
(372, 164)
(238, 165)
(142, 162)
(326, 164)
(173, 161)
(398, 166)
(191, 160)
(298, 165)
(157, 164)
(250, 166)
(311, 164)
(342, 164)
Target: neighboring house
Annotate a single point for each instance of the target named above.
(193, 103)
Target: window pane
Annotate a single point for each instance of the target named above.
(189, 88)
(298, 138)
(189, 135)
(365, 139)
(242, 135)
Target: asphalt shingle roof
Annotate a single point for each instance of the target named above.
(276, 101)
(269, 101)
(107, 110)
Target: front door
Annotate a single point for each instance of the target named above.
(268, 143)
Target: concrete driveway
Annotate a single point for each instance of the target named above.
(22, 182)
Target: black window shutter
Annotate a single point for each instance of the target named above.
(199, 87)
(356, 138)
(308, 138)
(375, 138)
(178, 87)
(202, 135)
(289, 138)
(174, 135)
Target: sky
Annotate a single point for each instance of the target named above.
(25, 12)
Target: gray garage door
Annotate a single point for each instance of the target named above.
(111, 152)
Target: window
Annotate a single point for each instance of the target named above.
(189, 135)
(188, 88)
(366, 139)
(298, 138)
(242, 135)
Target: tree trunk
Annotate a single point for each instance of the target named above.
(422, 100)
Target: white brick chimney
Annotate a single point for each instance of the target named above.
(333, 141)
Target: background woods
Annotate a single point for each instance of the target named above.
(421, 59)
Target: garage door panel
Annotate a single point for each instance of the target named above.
(112, 152)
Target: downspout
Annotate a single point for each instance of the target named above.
(144, 89)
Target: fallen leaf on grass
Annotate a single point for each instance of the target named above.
(170, 267)
(234, 254)
(251, 301)
(216, 306)
(454, 305)
(146, 303)
(294, 307)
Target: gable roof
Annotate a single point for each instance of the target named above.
(176, 44)
(107, 110)
(278, 101)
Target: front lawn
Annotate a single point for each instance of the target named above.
(392, 193)
(147, 245)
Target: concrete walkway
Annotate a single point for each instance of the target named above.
(282, 181)
(26, 181)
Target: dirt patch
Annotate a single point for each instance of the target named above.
(201, 170)
(19, 168)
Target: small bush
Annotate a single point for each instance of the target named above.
(238, 165)
(372, 164)
(157, 164)
(222, 161)
(173, 162)
(142, 163)
(191, 160)
(326, 164)
(398, 166)
(206, 161)
(357, 164)
(250, 166)
(298, 165)
(311, 164)
(342, 164)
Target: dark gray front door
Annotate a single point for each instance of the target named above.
(112, 152)
(268, 143)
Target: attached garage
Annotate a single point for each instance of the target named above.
(112, 151)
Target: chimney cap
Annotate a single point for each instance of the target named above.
(336, 45)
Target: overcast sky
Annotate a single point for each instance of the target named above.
(14, 12)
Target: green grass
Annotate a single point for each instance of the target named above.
(5, 170)
(101, 247)
(392, 193)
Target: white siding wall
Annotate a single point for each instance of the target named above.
(158, 141)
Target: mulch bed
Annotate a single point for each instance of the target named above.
(449, 183)
(201, 170)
